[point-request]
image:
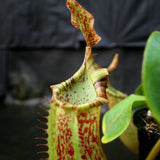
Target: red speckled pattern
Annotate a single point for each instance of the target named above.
(88, 128)
(65, 148)
(73, 121)
(88, 139)
(84, 21)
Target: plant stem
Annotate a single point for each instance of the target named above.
(154, 152)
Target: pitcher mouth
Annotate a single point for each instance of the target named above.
(91, 80)
(85, 89)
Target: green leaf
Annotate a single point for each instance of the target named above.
(114, 96)
(151, 73)
(116, 120)
(139, 90)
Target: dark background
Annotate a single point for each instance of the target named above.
(40, 47)
(27, 23)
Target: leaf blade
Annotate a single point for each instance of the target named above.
(116, 120)
(151, 73)
(139, 90)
